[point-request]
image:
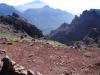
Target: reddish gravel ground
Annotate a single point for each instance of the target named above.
(54, 61)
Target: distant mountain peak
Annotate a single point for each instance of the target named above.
(97, 11)
(7, 9)
(38, 1)
(3, 5)
(34, 4)
(46, 6)
(47, 18)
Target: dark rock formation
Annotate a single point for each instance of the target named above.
(19, 24)
(9, 67)
(83, 28)
(59, 33)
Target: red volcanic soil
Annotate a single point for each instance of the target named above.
(50, 60)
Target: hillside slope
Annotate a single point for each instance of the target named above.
(16, 25)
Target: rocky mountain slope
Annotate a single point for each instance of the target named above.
(14, 25)
(85, 27)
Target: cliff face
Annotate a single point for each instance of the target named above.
(16, 24)
(81, 27)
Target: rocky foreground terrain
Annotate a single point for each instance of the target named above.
(45, 59)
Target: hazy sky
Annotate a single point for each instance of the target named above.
(73, 6)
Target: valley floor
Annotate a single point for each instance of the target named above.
(50, 60)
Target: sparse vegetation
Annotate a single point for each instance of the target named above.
(87, 53)
(55, 43)
(26, 40)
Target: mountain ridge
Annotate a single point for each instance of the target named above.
(48, 18)
(34, 4)
(80, 28)
(7, 9)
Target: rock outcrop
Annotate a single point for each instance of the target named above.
(10, 67)
(16, 24)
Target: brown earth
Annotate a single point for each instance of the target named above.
(50, 60)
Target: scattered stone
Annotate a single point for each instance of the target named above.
(30, 72)
(65, 73)
(9, 43)
(31, 44)
(38, 73)
(2, 51)
(3, 40)
(97, 64)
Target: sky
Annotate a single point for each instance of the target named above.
(72, 6)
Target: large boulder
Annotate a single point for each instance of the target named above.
(10, 67)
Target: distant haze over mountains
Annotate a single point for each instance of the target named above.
(34, 4)
(47, 18)
(73, 6)
(41, 15)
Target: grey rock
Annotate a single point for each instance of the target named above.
(12, 68)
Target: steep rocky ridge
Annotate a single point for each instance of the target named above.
(85, 26)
